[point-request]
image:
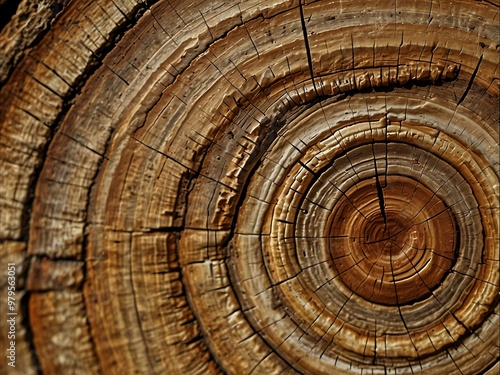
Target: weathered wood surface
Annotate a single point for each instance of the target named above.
(251, 187)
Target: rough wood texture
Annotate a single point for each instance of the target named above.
(248, 187)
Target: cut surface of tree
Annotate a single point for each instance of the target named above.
(249, 187)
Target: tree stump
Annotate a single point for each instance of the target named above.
(249, 187)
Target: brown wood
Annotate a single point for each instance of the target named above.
(250, 187)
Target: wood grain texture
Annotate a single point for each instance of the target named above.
(248, 187)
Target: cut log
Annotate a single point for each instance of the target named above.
(248, 187)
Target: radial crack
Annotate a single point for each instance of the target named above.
(308, 49)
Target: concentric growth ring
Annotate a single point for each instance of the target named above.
(254, 187)
(397, 246)
(372, 210)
